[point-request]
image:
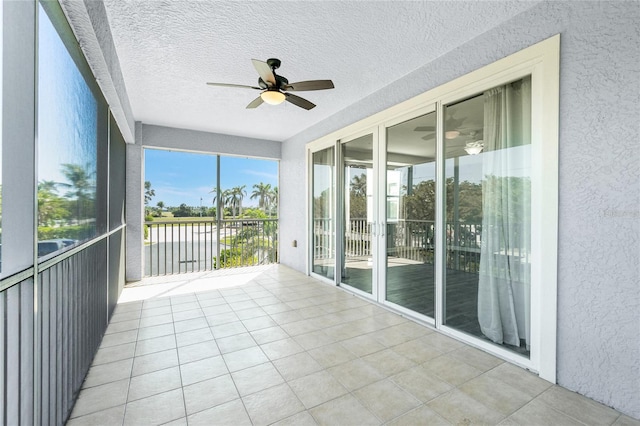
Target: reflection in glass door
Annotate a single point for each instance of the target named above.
(358, 236)
(488, 215)
(410, 214)
(324, 251)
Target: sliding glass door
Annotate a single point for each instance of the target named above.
(359, 219)
(323, 211)
(410, 213)
(435, 215)
(488, 216)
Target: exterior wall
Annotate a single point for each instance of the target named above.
(149, 136)
(599, 230)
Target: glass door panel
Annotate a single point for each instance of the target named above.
(359, 222)
(488, 215)
(410, 213)
(323, 228)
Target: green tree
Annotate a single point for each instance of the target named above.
(51, 206)
(235, 197)
(272, 201)
(262, 192)
(81, 187)
(160, 207)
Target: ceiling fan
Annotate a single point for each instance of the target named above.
(275, 87)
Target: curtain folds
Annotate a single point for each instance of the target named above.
(504, 286)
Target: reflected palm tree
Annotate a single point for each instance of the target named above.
(82, 187)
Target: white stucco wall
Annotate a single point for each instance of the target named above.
(599, 218)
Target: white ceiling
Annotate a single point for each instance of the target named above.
(168, 50)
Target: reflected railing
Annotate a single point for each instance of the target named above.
(174, 247)
(408, 239)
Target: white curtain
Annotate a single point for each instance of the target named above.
(505, 281)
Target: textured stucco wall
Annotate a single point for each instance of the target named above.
(599, 217)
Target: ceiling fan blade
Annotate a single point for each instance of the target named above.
(425, 129)
(255, 103)
(241, 86)
(298, 101)
(265, 72)
(309, 85)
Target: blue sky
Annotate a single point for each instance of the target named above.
(183, 177)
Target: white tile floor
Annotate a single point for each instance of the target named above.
(269, 345)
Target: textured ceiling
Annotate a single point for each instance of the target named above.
(168, 50)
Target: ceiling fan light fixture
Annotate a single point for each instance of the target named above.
(273, 97)
(451, 134)
(474, 148)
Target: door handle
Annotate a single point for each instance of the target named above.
(382, 225)
(373, 228)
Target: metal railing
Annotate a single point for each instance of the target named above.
(174, 247)
(408, 239)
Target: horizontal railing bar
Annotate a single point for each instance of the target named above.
(16, 278)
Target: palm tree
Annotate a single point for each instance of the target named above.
(160, 207)
(272, 199)
(81, 185)
(236, 194)
(224, 199)
(261, 191)
(359, 185)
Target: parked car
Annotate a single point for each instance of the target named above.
(49, 246)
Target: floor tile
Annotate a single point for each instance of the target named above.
(519, 378)
(459, 408)
(230, 413)
(99, 398)
(156, 320)
(451, 370)
(495, 394)
(363, 345)
(388, 362)
(270, 334)
(577, 406)
(537, 412)
(219, 356)
(417, 350)
(190, 324)
(154, 362)
(154, 383)
(107, 373)
(109, 417)
(244, 358)
(228, 329)
(157, 344)
(345, 410)
(355, 374)
(422, 415)
(193, 337)
(209, 393)
(114, 353)
(255, 379)
(155, 331)
(386, 400)
(476, 358)
(302, 418)
(198, 351)
(273, 404)
(298, 365)
(421, 384)
(204, 369)
(317, 388)
(281, 348)
(235, 343)
(115, 339)
(313, 340)
(331, 355)
(157, 409)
